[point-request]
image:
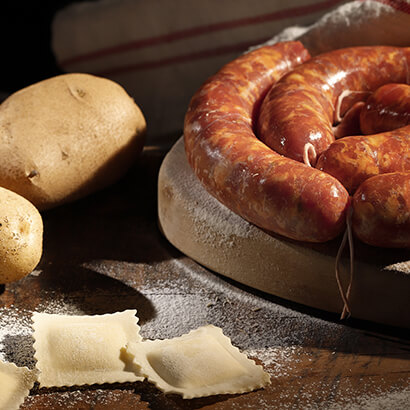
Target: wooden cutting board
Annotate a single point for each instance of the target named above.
(206, 231)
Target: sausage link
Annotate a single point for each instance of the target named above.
(269, 190)
(352, 160)
(350, 124)
(299, 109)
(346, 100)
(381, 210)
(386, 109)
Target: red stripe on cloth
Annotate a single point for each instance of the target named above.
(200, 30)
(401, 5)
(146, 65)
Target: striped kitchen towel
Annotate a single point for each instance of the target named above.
(161, 51)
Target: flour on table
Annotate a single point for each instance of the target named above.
(16, 343)
(15, 337)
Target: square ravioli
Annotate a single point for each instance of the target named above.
(76, 350)
(15, 385)
(200, 363)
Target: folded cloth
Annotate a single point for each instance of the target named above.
(358, 23)
(162, 51)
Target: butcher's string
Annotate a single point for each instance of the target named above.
(347, 237)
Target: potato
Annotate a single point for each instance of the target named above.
(67, 136)
(21, 236)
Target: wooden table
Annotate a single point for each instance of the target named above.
(105, 254)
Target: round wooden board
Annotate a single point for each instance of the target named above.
(208, 232)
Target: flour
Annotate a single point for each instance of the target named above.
(390, 400)
(270, 333)
(15, 336)
(36, 272)
(184, 286)
(400, 267)
(79, 399)
(274, 335)
(16, 343)
(283, 364)
(278, 361)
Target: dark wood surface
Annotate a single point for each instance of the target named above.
(105, 254)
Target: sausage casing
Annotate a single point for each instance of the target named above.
(268, 189)
(354, 159)
(299, 109)
(350, 123)
(381, 210)
(388, 108)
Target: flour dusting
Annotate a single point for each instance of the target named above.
(15, 336)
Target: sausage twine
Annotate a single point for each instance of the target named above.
(309, 149)
(347, 237)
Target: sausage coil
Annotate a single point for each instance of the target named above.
(300, 108)
(264, 187)
(354, 159)
(263, 178)
(388, 108)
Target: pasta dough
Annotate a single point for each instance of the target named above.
(200, 363)
(76, 350)
(15, 385)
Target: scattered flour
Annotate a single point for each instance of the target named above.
(390, 400)
(273, 334)
(16, 343)
(278, 361)
(15, 336)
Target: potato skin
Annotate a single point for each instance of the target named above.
(21, 236)
(66, 137)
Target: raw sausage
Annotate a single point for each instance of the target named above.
(271, 190)
(354, 159)
(299, 109)
(264, 187)
(388, 108)
(350, 123)
(381, 214)
(346, 100)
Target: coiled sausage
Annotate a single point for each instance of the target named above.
(388, 108)
(299, 109)
(264, 187)
(354, 159)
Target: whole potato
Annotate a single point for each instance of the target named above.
(67, 136)
(21, 236)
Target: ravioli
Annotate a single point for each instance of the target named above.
(15, 385)
(200, 363)
(77, 350)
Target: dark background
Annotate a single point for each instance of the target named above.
(26, 51)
